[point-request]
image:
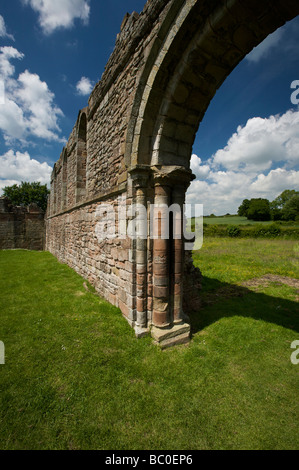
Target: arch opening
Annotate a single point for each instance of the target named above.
(194, 60)
(206, 42)
(81, 158)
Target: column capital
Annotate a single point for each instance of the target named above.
(140, 175)
(172, 175)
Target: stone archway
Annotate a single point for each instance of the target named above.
(205, 42)
(139, 127)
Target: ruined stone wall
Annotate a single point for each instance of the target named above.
(92, 171)
(21, 227)
(133, 144)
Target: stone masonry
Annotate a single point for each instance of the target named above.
(21, 227)
(133, 142)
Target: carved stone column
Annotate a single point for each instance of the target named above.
(140, 178)
(169, 322)
(177, 253)
(161, 252)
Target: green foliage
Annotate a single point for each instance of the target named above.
(259, 209)
(280, 209)
(27, 193)
(233, 231)
(261, 230)
(283, 198)
(290, 210)
(267, 231)
(243, 209)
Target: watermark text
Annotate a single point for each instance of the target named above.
(295, 94)
(2, 92)
(295, 355)
(2, 353)
(154, 221)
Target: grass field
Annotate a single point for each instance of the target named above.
(75, 376)
(232, 220)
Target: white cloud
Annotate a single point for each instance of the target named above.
(12, 121)
(17, 167)
(6, 54)
(3, 31)
(57, 14)
(200, 171)
(246, 167)
(275, 182)
(263, 49)
(29, 108)
(261, 142)
(84, 86)
(38, 101)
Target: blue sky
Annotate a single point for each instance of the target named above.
(52, 52)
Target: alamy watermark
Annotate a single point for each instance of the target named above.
(2, 92)
(295, 94)
(2, 353)
(295, 355)
(154, 221)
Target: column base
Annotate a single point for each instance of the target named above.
(171, 336)
(141, 332)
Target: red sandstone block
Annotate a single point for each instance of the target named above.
(177, 268)
(112, 299)
(161, 281)
(160, 246)
(178, 289)
(161, 292)
(124, 308)
(140, 279)
(141, 305)
(160, 270)
(160, 318)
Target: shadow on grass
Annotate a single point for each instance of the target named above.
(220, 300)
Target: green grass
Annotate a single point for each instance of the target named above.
(231, 220)
(76, 377)
(236, 220)
(235, 260)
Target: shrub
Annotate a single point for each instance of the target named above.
(233, 231)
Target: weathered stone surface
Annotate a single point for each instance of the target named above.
(172, 336)
(21, 227)
(132, 145)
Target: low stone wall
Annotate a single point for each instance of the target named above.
(21, 227)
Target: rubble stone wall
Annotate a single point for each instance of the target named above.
(21, 227)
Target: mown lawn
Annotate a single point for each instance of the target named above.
(76, 377)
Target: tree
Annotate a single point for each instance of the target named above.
(27, 193)
(277, 206)
(290, 210)
(283, 198)
(259, 210)
(242, 211)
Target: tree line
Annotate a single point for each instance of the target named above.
(284, 207)
(27, 193)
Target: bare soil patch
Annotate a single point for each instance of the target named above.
(268, 279)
